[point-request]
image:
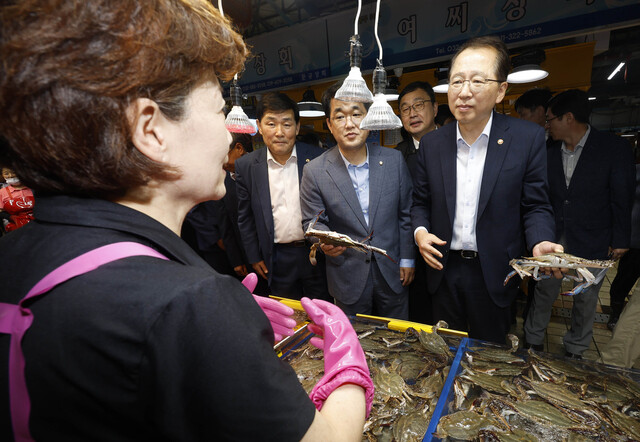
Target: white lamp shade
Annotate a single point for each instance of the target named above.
(527, 73)
(310, 109)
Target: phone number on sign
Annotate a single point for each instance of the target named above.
(518, 35)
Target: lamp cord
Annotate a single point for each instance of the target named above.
(355, 27)
(376, 30)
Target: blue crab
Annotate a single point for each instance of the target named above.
(531, 266)
(338, 239)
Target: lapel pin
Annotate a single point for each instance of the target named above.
(381, 163)
(307, 160)
(500, 141)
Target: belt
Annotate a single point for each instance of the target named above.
(298, 243)
(466, 254)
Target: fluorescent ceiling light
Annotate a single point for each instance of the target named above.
(615, 71)
(310, 109)
(527, 73)
(442, 87)
(592, 98)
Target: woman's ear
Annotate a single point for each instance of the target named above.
(148, 128)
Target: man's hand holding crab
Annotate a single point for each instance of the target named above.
(544, 247)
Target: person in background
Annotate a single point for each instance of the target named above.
(363, 191)
(532, 105)
(444, 115)
(155, 345)
(269, 216)
(16, 201)
(480, 195)
(624, 348)
(232, 241)
(591, 184)
(418, 108)
(629, 265)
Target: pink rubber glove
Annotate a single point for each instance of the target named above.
(344, 360)
(279, 314)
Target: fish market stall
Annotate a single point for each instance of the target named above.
(499, 393)
(408, 363)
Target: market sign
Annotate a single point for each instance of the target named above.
(414, 32)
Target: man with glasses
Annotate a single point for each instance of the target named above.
(480, 196)
(363, 191)
(418, 108)
(591, 187)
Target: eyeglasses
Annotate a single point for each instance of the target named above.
(548, 120)
(476, 84)
(417, 106)
(341, 120)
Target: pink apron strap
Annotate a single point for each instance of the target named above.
(16, 320)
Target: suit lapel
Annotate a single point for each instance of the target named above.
(448, 160)
(499, 143)
(338, 173)
(585, 158)
(302, 158)
(261, 175)
(377, 171)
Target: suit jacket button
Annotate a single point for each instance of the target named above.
(367, 260)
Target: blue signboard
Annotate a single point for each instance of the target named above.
(414, 32)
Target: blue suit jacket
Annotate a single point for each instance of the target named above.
(326, 185)
(255, 216)
(594, 212)
(513, 205)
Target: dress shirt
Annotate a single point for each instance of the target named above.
(570, 158)
(284, 188)
(359, 175)
(416, 143)
(469, 169)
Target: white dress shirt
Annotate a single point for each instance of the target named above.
(284, 188)
(469, 169)
(416, 143)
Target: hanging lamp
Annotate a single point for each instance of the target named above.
(380, 115)
(237, 121)
(354, 88)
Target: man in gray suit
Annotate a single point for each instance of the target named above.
(363, 191)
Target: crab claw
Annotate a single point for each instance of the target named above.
(576, 290)
(312, 254)
(509, 276)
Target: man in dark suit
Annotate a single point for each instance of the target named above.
(480, 193)
(363, 191)
(418, 109)
(229, 230)
(269, 217)
(591, 183)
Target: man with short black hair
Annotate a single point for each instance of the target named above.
(591, 186)
(418, 108)
(269, 217)
(532, 105)
(363, 191)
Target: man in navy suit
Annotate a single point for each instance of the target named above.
(591, 182)
(480, 195)
(363, 191)
(269, 217)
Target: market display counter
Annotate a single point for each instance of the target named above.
(478, 390)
